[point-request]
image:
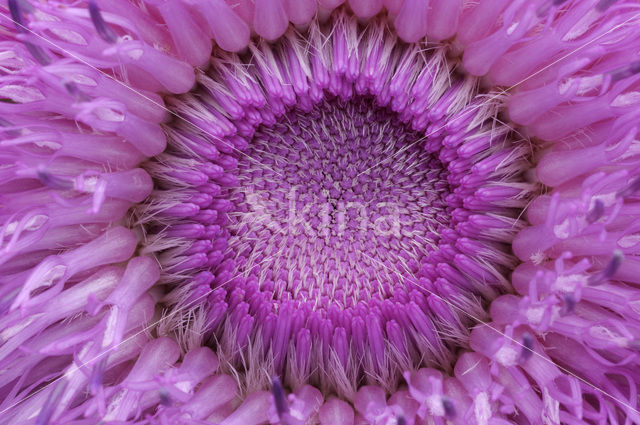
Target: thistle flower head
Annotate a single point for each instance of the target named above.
(319, 212)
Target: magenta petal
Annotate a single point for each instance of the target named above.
(365, 9)
(300, 12)
(336, 412)
(393, 6)
(477, 22)
(369, 400)
(213, 394)
(191, 42)
(270, 19)
(134, 185)
(230, 31)
(443, 19)
(141, 273)
(176, 76)
(411, 22)
(148, 138)
(252, 411)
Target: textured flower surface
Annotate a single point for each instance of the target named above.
(383, 212)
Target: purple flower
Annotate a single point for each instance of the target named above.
(382, 212)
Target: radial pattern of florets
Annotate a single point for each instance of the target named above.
(358, 198)
(324, 218)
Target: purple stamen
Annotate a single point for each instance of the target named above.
(527, 346)
(449, 407)
(614, 264)
(279, 397)
(632, 188)
(16, 15)
(103, 30)
(75, 91)
(610, 269)
(165, 397)
(51, 180)
(625, 72)
(545, 7)
(569, 304)
(596, 212)
(604, 5)
(37, 52)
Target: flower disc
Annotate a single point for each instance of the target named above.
(358, 199)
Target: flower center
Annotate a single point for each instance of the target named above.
(336, 204)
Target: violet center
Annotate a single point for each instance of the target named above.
(337, 205)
